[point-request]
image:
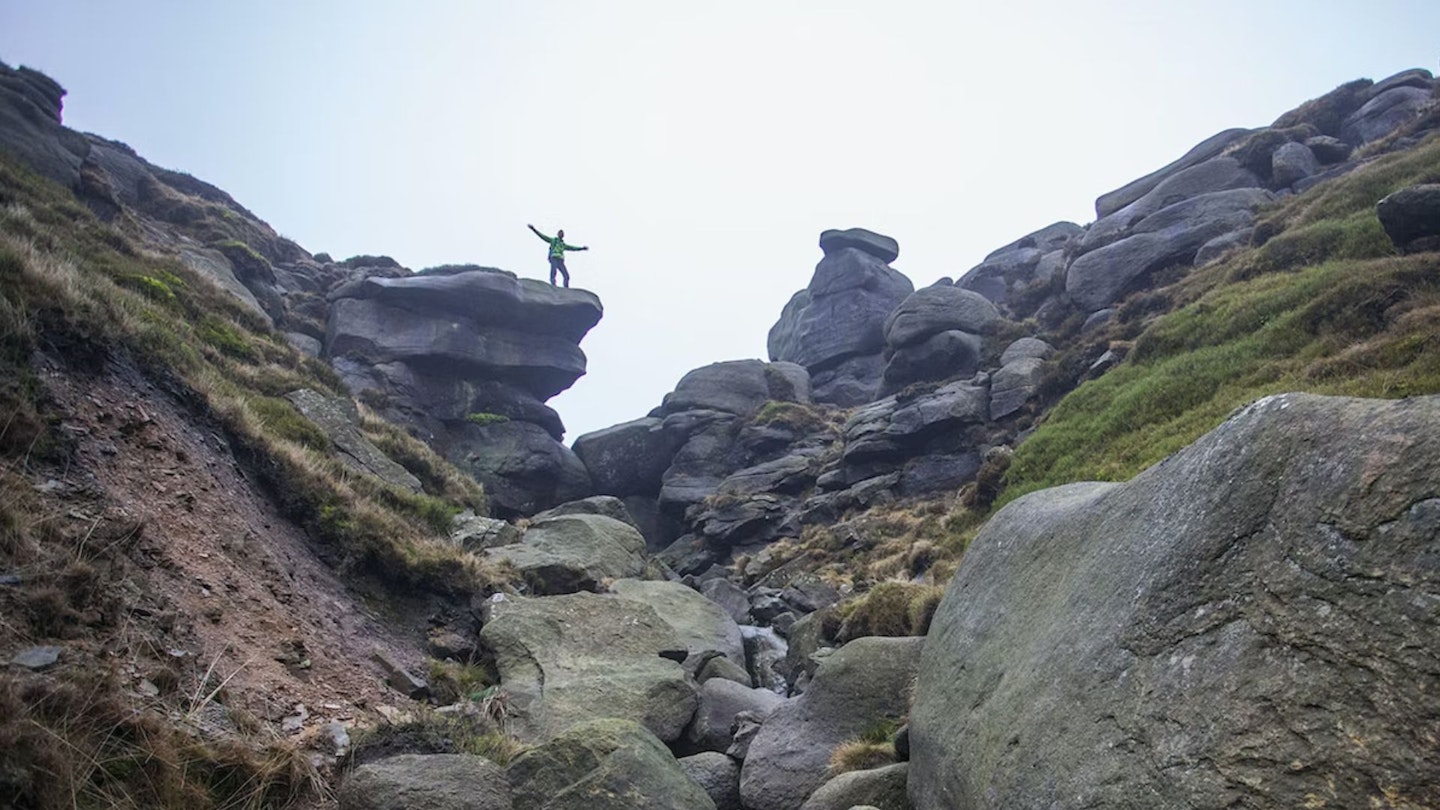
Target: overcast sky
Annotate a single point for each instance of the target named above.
(697, 148)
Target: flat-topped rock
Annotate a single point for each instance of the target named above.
(491, 297)
(880, 246)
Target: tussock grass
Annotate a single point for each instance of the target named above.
(431, 732)
(69, 741)
(890, 609)
(857, 755)
(1323, 304)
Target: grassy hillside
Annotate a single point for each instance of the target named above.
(1324, 304)
(80, 300)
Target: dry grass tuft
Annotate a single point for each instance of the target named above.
(860, 755)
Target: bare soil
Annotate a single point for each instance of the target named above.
(215, 607)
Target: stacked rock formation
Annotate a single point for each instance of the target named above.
(835, 327)
(468, 356)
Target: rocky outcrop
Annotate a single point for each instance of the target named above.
(721, 702)
(432, 781)
(863, 683)
(835, 326)
(1113, 201)
(1243, 623)
(1018, 277)
(603, 765)
(1171, 235)
(570, 659)
(467, 356)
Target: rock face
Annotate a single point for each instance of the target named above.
(839, 318)
(1244, 623)
(523, 468)
(568, 659)
(603, 765)
(861, 683)
(434, 781)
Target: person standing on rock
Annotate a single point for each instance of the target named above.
(557, 253)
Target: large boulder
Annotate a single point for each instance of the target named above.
(1244, 624)
(708, 454)
(933, 310)
(699, 624)
(485, 296)
(890, 428)
(603, 765)
(721, 701)
(942, 356)
(568, 659)
(863, 683)
(1291, 163)
(738, 386)
(431, 781)
(1014, 384)
(523, 468)
(1411, 217)
(572, 553)
(1052, 237)
(629, 458)
(1113, 201)
(853, 381)
(881, 788)
(718, 775)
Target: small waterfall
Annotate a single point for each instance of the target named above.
(763, 650)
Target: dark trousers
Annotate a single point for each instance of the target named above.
(558, 263)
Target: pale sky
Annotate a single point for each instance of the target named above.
(697, 148)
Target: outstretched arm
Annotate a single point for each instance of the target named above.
(538, 233)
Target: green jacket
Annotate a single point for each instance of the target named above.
(557, 246)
